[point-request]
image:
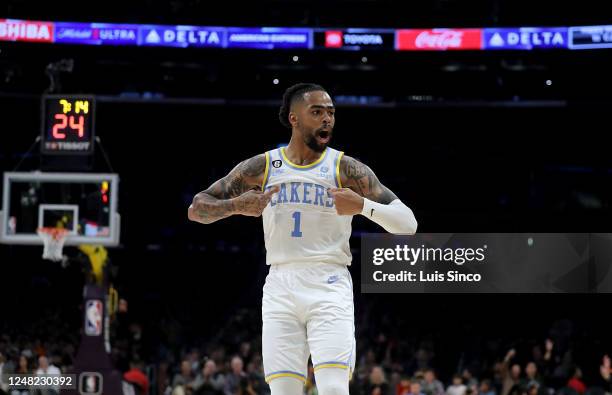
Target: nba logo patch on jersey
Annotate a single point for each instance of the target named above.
(93, 318)
(277, 163)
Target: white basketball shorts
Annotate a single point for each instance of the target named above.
(307, 310)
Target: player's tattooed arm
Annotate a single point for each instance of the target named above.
(361, 179)
(239, 192)
(358, 183)
(363, 193)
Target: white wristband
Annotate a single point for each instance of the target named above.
(394, 217)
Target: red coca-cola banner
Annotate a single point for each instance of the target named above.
(438, 39)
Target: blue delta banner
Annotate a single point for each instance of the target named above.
(526, 38)
(182, 36)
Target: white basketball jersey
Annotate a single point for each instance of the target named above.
(300, 222)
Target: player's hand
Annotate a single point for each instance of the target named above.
(252, 203)
(347, 201)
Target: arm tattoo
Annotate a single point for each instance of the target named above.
(361, 179)
(214, 203)
(241, 179)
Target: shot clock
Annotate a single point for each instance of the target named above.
(67, 125)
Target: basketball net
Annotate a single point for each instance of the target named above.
(53, 239)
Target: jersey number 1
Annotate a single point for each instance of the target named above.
(297, 216)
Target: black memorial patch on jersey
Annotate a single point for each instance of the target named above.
(277, 163)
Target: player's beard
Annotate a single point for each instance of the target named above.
(313, 144)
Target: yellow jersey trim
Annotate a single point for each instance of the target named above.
(277, 375)
(265, 176)
(338, 169)
(330, 365)
(313, 164)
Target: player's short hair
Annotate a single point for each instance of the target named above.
(291, 95)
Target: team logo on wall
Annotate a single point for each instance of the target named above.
(277, 163)
(90, 383)
(93, 318)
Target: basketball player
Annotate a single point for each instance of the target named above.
(308, 194)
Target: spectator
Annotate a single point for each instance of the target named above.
(246, 352)
(470, 381)
(235, 377)
(366, 363)
(183, 378)
(136, 377)
(256, 375)
(511, 374)
(532, 377)
(23, 368)
(457, 387)
(194, 359)
(209, 381)
(44, 368)
(576, 383)
(403, 387)
(486, 388)
(5, 368)
(24, 365)
(512, 381)
(415, 387)
(605, 371)
(531, 371)
(376, 383)
(431, 385)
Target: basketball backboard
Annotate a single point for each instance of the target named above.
(83, 203)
